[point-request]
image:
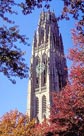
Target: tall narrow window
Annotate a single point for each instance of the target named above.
(60, 81)
(42, 35)
(36, 107)
(43, 106)
(37, 82)
(44, 77)
(37, 61)
(44, 74)
(54, 38)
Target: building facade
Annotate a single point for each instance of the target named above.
(48, 67)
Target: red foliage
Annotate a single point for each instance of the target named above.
(41, 129)
(67, 113)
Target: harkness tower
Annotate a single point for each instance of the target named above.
(47, 69)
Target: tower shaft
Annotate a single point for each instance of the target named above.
(47, 70)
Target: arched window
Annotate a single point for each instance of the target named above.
(43, 106)
(36, 106)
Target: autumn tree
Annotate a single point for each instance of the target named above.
(67, 114)
(75, 8)
(12, 63)
(15, 123)
(41, 128)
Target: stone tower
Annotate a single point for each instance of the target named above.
(47, 69)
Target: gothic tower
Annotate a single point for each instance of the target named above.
(47, 69)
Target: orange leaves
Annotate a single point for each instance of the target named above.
(16, 124)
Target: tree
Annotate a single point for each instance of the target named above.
(76, 9)
(67, 114)
(12, 63)
(41, 128)
(15, 123)
(29, 5)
